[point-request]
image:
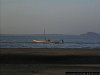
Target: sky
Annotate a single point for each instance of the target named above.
(56, 16)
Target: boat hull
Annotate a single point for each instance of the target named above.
(40, 41)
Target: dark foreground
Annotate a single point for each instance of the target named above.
(50, 56)
(42, 59)
(49, 61)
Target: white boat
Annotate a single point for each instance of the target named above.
(40, 41)
(47, 41)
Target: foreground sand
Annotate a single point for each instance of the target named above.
(44, 61)
(51, 51)
(45, 69)
(47, 55)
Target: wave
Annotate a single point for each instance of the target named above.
(64, 42)
(16, 42)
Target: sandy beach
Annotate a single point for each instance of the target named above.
(51, 51)
(44, 61)
(47, 55)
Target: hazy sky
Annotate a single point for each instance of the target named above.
(57, 16)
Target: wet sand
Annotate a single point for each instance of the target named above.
(44, 61)
(50, 56)
(51, 51)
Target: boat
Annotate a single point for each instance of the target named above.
(57, 42)
(47, 41)
(41, 41)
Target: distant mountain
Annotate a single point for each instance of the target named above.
(90, 34)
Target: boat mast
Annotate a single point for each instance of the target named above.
(44, 34)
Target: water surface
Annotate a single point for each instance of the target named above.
(70, 41)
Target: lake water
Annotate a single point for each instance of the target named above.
(70, 41)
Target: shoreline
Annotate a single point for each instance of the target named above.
(49, 56)
(51, 51)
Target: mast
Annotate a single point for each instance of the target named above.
(44, 34)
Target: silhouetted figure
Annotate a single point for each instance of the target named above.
(62, 41)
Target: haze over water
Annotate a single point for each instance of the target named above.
(57, 16)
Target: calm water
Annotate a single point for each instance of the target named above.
(25, 41)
